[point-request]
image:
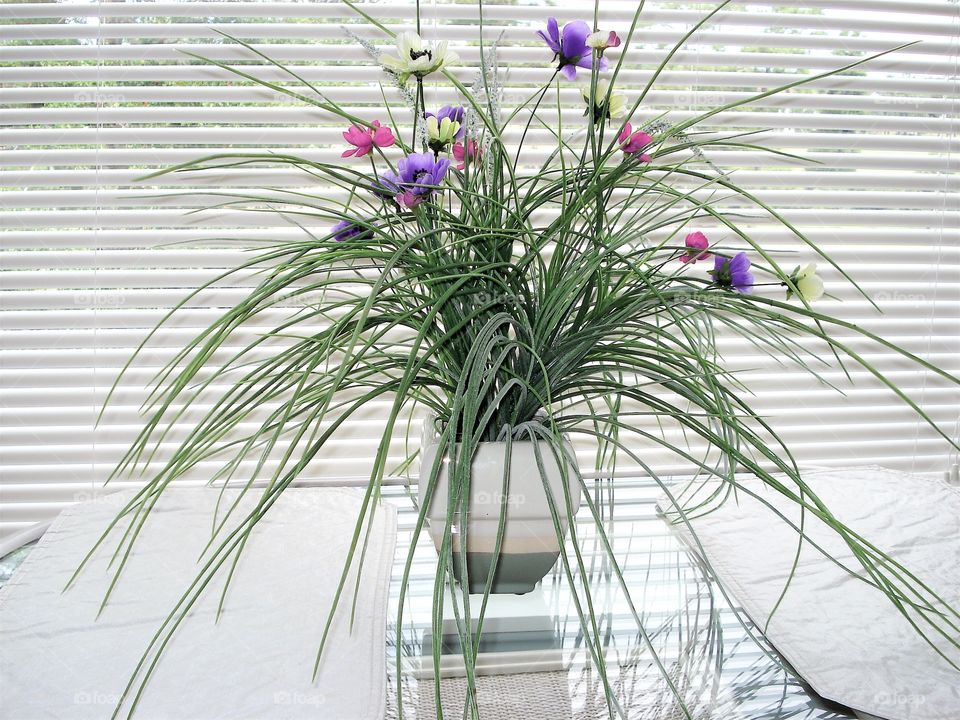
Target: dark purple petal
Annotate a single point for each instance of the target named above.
(420, 172)
(390, 180)
(739, 262)
(733, 273)
(574, 43)
(387, 185)
(340, 231)
(455, 113)
(553, 27)
(742, 281)
(443, 164)
(413, 165)
(586, 62)
(347, 230)
(555, 46)
(569, 72)
(552, 36)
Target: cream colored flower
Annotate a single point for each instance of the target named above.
(601, 40)
(441, 133)
(809, 285)
(414, 57)
(618, 101)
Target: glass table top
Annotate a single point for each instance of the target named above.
(683, 640)
(689, 643)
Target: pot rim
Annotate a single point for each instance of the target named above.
(428, 435)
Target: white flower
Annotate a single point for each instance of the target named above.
(441, 133)
(618, 101)
(601, 40)
(809, 285)
(414, 57)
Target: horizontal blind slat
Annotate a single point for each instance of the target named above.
(906, 86)
(621, 11)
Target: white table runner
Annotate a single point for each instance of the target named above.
(843, 637)
(57, 661)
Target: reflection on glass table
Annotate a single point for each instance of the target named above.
(684, 640)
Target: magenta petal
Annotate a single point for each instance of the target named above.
(383, 137)
(348, 153)
(355, 135)
(638, 141)
(409, 199)
(697, 240)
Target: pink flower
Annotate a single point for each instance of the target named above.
(461, 152)
(633, 142)
(408, 199)
(697, 244)
(365, 139)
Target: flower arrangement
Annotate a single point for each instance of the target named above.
(515, 301)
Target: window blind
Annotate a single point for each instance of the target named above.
(97, 94)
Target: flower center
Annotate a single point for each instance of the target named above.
(722, 276)
(417, 54)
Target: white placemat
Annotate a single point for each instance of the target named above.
(842, 636)
(58, 661)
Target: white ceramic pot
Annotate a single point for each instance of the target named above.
(530, 546)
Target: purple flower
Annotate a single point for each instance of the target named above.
(570, 47)
(455, 113)
(418, 175)
(348, 230)
(386, 185)
(733, 273)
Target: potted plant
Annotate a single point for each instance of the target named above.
(510, 535)
(522, 305)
